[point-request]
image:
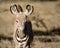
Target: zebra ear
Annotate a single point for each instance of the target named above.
(29, 10)
(13, 9)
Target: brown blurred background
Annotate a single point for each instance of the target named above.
(45, 23)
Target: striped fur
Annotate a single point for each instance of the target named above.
(23, 27)
(22, 41)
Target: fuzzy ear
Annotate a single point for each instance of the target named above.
(29, 10)
(14, 9)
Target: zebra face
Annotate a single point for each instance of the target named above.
(20, 20)
(20, 15)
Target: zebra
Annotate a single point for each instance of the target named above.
(22, 35)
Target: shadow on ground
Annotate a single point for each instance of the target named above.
(46, 33)
(48, 36)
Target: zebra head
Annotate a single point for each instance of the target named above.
(21, 16)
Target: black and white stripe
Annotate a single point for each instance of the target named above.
(22, 41)
(23, 35)
(27, 38)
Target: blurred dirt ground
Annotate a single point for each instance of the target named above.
(45, 20)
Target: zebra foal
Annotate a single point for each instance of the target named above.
(22, 26)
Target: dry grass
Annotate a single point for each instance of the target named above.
(46, 16)
(39, 42)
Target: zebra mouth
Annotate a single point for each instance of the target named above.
(22, 39)
(20, 33)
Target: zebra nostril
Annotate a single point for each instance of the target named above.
(18, 31)
(16, 21)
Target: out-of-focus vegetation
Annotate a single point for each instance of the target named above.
(45, 23)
